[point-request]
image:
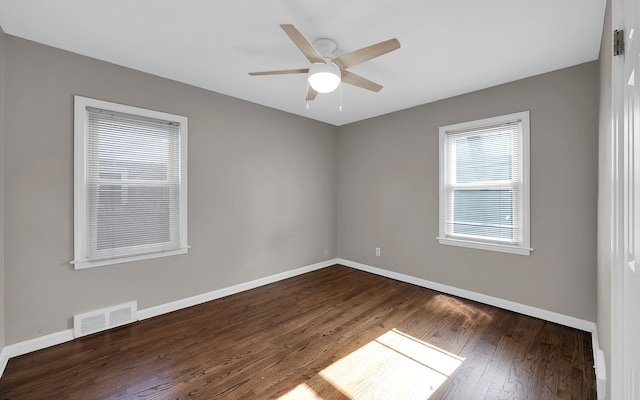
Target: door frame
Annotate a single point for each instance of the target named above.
(616, 376)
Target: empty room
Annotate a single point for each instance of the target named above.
(319, 200)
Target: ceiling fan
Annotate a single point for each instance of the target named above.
(326, 71)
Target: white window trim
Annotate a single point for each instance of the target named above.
(522, 248)
(80, 180)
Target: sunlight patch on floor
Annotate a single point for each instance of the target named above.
(393, 366)
(301, 392)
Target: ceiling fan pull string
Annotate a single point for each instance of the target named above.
(340, 106)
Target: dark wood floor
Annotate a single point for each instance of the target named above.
(336, 333)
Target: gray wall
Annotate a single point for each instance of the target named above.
(269, 192)
(2, 122)
(262, 191)
(604, 194)
(388, 193)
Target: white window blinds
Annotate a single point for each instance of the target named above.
(483, 186)
(134, 189)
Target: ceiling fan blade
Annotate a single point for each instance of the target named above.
(303, 44)
(357, 80)
(366, 53)
(311, 94)
(281, 72)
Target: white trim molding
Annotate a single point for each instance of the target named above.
(4, 359)
(216, 294)
(90, 117)
(572, 322)
(39, 343)
(451, 136)
(53, 339)
(600, 367)
(546, 315)
(27, 346)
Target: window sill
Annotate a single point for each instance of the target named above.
(523, 251)
(82, 264)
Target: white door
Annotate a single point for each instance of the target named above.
(631, 214)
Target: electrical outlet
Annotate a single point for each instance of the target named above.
(377, 251)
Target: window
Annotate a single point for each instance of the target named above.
(130, 183)
(484, 184)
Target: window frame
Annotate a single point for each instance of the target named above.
(520, 248)
(81, 195)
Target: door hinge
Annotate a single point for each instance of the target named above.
(618, 42)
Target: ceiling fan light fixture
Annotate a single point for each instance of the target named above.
(324, 78)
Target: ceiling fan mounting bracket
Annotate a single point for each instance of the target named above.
(326, 47)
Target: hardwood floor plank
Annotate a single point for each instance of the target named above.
(336, 333)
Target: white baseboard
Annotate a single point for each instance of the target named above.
(546, 315)
(39, 343)
(53, 339)
(216, 294)
(4, 358)
(572, 322)
(42, 342)
(600, 366)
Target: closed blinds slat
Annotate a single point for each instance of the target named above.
(133, 184)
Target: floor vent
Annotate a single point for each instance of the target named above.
(103, 319)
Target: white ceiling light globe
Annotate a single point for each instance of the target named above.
(324, 78)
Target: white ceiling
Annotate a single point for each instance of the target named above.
(449, 47)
